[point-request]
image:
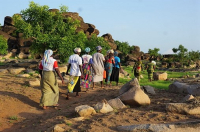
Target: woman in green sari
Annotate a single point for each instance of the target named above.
(50, 91)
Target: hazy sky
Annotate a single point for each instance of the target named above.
(163, 24)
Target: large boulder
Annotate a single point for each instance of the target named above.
(159, 76)
(179, 87)
(135, 97)
(103, 107)
(9, 29)
(8, 21)
(132, 94)
(133, 83)
(85, 110)
(5, 35)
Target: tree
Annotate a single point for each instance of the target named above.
(50, 30)
(194, 55)
(181, 53)
(3, 45)
(154, 52)
(124, 47)
(95, 41)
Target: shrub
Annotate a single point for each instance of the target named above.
(3, 45)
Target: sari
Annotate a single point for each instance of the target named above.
(87, 71)
(50, 90)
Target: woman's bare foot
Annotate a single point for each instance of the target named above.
(45, 107)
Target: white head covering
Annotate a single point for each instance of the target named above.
(112, 51)
(99, 47)
(47, 54)
(108, 52)
(77, 50)
(153, 62)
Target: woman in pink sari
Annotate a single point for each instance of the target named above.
(87, 69)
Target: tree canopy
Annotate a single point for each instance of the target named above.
(154, 52)
(124, 47)
(51, 30)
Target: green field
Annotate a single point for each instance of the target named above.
(155, 84)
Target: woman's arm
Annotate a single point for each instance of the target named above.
(68, 69)
(40, 71)
(58, 73)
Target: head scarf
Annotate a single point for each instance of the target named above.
(108, 52)
(153, 62)
(112, 51)
(87, 50)
(77, 50)
(99, 47)
(115, 53)
(47, 55)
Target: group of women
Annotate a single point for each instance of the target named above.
(84, 71)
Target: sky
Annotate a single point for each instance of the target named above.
(149, 24)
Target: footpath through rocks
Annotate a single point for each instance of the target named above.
(20, 112)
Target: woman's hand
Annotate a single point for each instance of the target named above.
(67, 73)
(63, 81)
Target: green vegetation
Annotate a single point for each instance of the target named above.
(3, 45)
(154, 52)
(51, 30)
(13, 118)
(156, 84)
(124, 47)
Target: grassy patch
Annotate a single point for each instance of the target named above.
(156, 84)
(13, 118)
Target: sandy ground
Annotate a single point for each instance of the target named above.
(19, 110)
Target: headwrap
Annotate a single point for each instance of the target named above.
(108, 52)
(47, 55)
(99, 47)
(153, 62)
(87, 50)
(77, 50)
(112, 51)
(115, 53)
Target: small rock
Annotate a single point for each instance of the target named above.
(34, 83)
(103, 107)
(23, 75)
(85, 110)
(116, 103)
(57, 128)
(78, 119)
(186, 98)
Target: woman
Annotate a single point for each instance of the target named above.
(137, 68)
(75, 66)
(98, 66)
(150, 69)
(87, 69)
(49, 85)
(116, 68)
(110, 61)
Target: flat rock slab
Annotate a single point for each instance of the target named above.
(182, 108)
(193, 126)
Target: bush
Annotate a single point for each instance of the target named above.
(3, 45)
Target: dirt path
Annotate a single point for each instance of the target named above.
(19, 110)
